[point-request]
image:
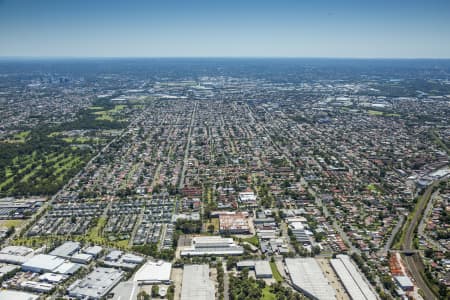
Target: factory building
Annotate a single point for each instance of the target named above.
(95, 251)
(404, 283)
(351, 278)
(42, 263)
(196, 284)
(66, 250)
(15, 255)
(262, 269)
(308, 278)
(154, 273)
(96, 284)
(212, 245)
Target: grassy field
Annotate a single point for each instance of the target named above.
(214, 222)
(275, 272)
(381, 113)
(17, 138)
(96, 108)
(95, 234)
(45, 158)
(107, 115)
(38, 241)
(267, 294)
(103, 116)
(252, 240)
(21, 136)
(10, 223)
(373, 188)
(37, 173)
(74, 139)
(78, 140)
(375, 112)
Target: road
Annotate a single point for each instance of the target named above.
(394, 232)
(226, 282)
(186, 152)
(414, 263)
(422, 224)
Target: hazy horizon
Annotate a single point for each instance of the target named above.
(215, 29)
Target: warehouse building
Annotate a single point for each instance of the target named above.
(42, 263)
(16, 295)
(16, 255)
(40, 287)
(6, 268)
(95, 251)
(96, 284)
(212, 245)
(68, 268)
(262, 269)
(307, 277)
(17, 250)
(351, 278)
(13, 259)
(196, 283)
(119, 259)
(52, 278)
(245, 264)
(82, 258)
(154, 273)
(405, 283)
(66, 250)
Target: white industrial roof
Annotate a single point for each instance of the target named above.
(154, 272)
(347, 280)
(212, 245)
(67, 268)
(94, 250)
(404, 281)
(196, 283)
(213, 251)
(16, 250)
(351, 278)
(44, 262)
(307, 276)
(66, 249)
(8, 295)
(13, 259)
(262, 267)
(96, 284)
(51, 277)
(211, 240)
(82, 256)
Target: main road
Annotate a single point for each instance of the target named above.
(186, 151)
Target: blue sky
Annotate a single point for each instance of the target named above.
(205, 28)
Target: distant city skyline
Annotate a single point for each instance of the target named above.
(202, 28)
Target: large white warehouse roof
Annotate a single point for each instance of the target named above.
(307, 276)
(196, 283)
(154, 272)
(351, 278)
